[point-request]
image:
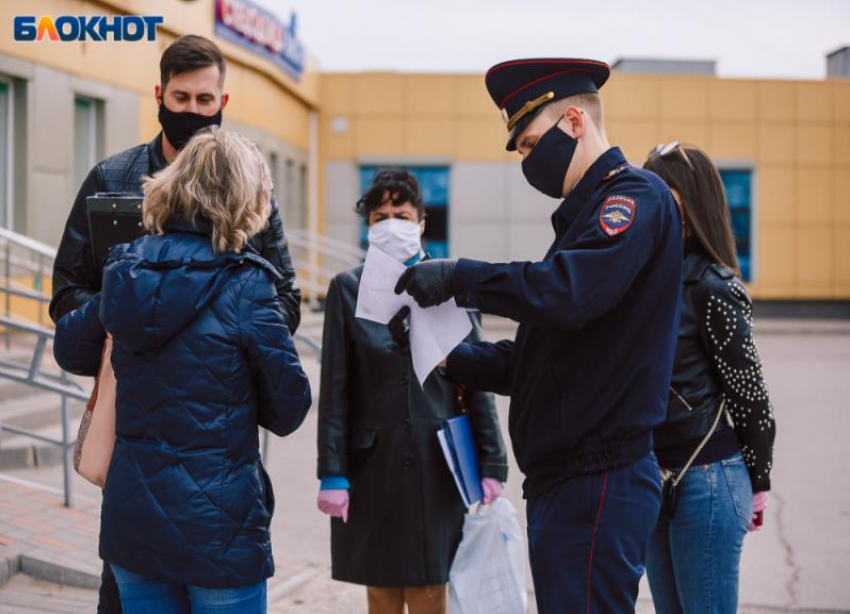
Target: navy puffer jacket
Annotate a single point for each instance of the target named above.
(202, 356)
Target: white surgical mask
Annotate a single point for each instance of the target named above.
(400, 239)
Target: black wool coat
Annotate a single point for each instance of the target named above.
(378, 428)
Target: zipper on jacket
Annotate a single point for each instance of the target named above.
(682, 399)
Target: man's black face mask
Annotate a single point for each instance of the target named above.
(180, 127)
(546, 166)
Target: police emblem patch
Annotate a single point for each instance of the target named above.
(617, 214)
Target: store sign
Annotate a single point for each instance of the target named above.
(246, 24)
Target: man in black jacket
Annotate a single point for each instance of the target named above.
(190, 97)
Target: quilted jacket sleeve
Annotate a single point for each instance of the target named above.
(283, 388)
(78, 344)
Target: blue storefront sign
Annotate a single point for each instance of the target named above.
(254, 28)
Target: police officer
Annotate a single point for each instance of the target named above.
(589, 370)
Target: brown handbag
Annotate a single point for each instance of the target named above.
(96, 437)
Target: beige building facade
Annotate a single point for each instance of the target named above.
(789, 141)
(783, 146)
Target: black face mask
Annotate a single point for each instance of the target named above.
(546, 166)
(180, 127)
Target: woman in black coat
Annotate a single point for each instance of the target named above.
(398, 516)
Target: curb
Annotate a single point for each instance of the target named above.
(44, 570)
(9, 566)
(51, 572)
(30, 456)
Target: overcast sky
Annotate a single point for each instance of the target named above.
(748, 38)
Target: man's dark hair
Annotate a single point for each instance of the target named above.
(188, 53)
(395, 185)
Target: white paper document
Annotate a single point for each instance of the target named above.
(434, 332)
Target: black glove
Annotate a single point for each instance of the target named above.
(400, 328)
(429, 282)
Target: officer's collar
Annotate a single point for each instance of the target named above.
(575, 200)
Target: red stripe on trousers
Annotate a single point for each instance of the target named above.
(593, 542)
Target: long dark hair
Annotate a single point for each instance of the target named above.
(689, 171)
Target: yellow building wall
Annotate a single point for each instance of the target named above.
(262, 95)
(794, 134)
(410, 115)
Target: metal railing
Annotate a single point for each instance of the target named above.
(319, 258)
(25, 264)
(32, 374)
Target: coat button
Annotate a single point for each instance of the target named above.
(405, 379)
(408, 463)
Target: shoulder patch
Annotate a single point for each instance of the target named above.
(617, 214)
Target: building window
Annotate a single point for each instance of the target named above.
(738, 185)
(88, 136)
(6, 154)
(434, 183)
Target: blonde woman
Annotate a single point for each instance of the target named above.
(202, 356)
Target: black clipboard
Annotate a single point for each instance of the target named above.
(114, 218)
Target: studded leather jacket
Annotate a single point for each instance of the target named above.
(716, 358)
(76, 276)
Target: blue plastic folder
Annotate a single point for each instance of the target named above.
(459, 449)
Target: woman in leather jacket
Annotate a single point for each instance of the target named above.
(396, 513)
(719, 418)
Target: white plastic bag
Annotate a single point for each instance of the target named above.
(488, 573)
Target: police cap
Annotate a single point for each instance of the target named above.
(521, 88)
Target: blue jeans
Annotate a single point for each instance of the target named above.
(146, 595)
(693, 559)
(587, 539)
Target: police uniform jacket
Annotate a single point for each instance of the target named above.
(378, 428)
(77, 277)
(589, 371)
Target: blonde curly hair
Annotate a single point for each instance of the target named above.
(220, 176)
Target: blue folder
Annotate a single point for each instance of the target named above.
(461, 445)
